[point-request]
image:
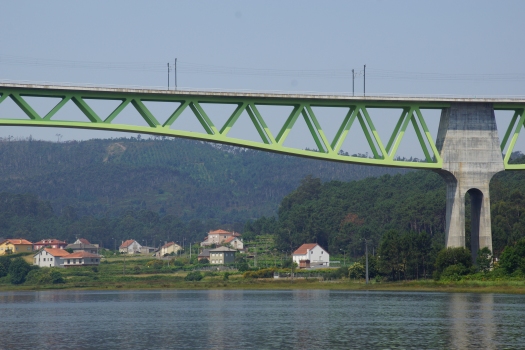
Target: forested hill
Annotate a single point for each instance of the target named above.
(187, 179)
(340, 215)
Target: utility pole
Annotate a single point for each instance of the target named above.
(364, 81)
(168, 75)
(175, 70)
(366, 253)
(353, 79)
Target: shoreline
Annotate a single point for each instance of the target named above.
(164, 283)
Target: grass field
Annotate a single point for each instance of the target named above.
(147, 273)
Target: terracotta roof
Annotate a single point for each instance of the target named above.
(81, 254)
(50, 241)
(169, 244)
(56, 251)
(229, 239)
(18, 241)
(302, 250)
(127, 243)
(83, 241)
(220, 232)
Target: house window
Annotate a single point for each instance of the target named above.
(68, 261)
(50, 259)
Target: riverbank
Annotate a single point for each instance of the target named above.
(176, 281)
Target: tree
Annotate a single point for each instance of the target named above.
(18, 270)
(390, 253)
(484, 259)
(453, 256)
(4, 265)
(513, 257)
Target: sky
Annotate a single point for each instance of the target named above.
(470, 48)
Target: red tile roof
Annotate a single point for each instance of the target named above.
(81, 254)
(56, 251)
(220, 232)
(127, 243)
(18, 241)
(169, 244)
(302, 250)
(229, 239)
(83, 241)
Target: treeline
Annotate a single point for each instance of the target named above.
(190, 180)
(26, 216)
(340, 216)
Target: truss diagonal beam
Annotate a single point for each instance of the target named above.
(328, 149)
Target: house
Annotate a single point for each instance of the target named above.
(205, 254)
(80, 258)
(83, 245)
(168, 248)
(49, 257)
(310, 255)
(50, 243)
(217, 237)
(15, 245)
(130, 246)
(234, 242)
(147, 250)
(222, 255)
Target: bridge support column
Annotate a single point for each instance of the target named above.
(469, 145)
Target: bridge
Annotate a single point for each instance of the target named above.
(466, 153)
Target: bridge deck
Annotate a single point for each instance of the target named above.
(268, 95)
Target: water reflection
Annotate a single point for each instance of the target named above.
(300, 319)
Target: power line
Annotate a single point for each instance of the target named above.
(198, 68)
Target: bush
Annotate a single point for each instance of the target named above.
(452, 256)
(513, 257)
(356, 270)
(263, 273)
(155, 264)
(4, 265)
(56, 277)
(177, 262)
(484, 260)
(454, 272)
(204, 261)
(18, 270)
(243, 266)
(193, 276)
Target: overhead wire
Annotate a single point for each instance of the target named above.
(199, 68)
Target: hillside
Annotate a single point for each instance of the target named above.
(340, 215)
(186, 179)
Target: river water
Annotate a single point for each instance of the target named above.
(237, 319)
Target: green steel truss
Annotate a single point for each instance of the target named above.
(383, 154)
(512, 133)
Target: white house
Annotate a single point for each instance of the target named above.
(170, 247)
(80, 258)
(130, 246)
(234, 242)
(311, 254)
(50, 257)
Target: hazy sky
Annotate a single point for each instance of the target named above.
(409, 47)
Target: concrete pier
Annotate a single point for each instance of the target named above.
(469, 144)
